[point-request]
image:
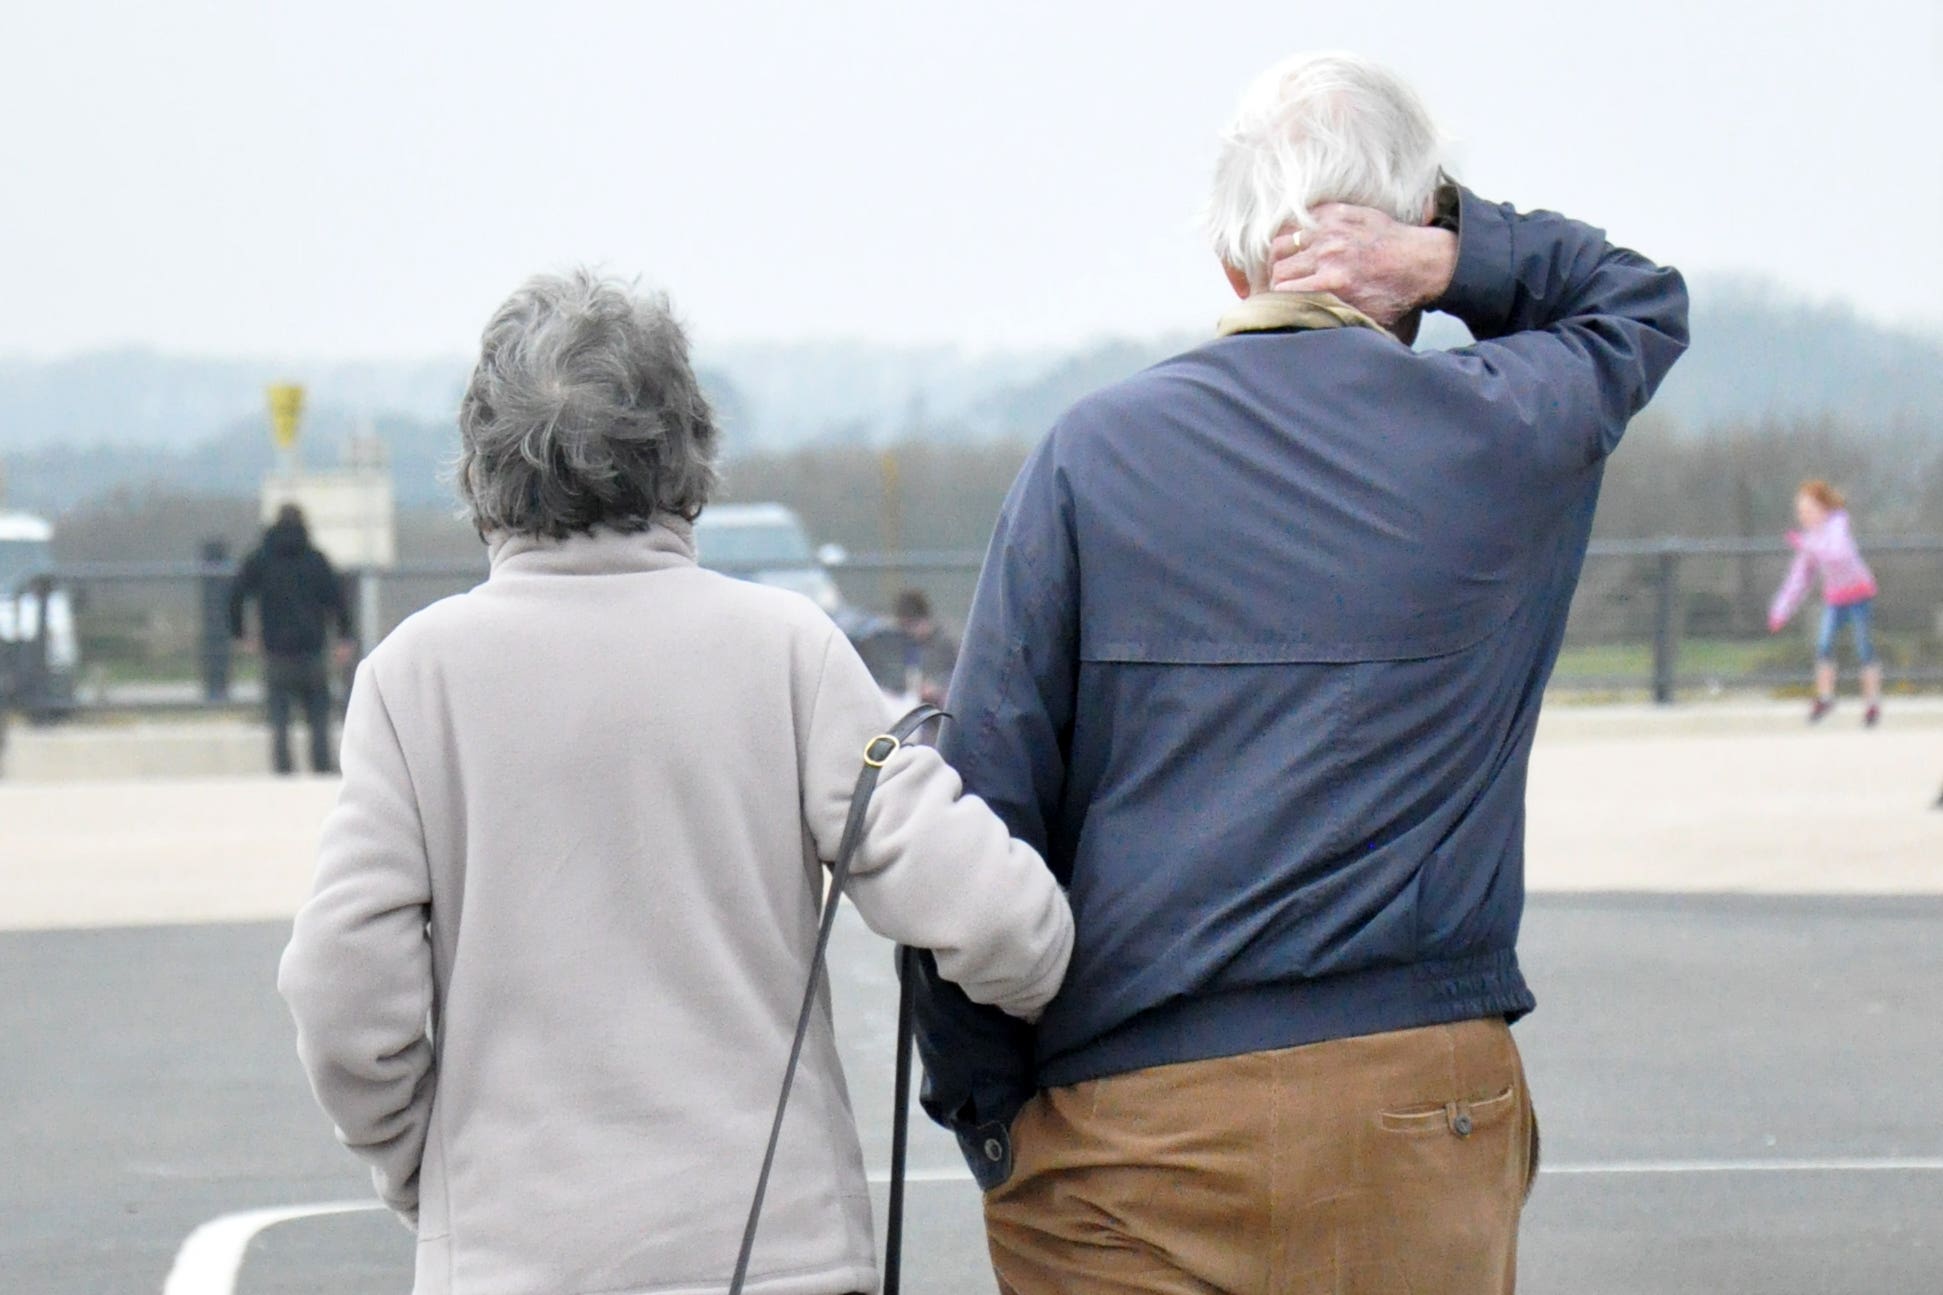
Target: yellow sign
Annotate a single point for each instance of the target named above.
(286, 408)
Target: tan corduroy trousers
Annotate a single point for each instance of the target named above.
(1393, 1163)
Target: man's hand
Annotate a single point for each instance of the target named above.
(1369, 260)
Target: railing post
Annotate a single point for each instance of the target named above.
(214, 648)
(35, 677)
(9, 698)
(1666, 627)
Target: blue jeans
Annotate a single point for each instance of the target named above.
(1856, 616)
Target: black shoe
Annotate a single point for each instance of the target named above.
(1819, 711)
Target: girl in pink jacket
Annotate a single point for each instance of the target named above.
(1825, 547)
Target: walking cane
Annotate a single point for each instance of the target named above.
(876, 755)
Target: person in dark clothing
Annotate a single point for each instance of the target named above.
(299, 600)
(930, 653)
(1256, 661)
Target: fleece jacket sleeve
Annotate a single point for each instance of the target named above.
(936, 870)
(358, 972)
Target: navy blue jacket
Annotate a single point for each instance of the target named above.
(1256, 659)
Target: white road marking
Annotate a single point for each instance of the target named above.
(209, 1260)
(212, 1256)
(1838, 1165)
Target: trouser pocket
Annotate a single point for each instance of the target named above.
(1460, 1119)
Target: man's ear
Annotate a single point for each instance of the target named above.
(1238, 280)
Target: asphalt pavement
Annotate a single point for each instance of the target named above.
(1738, 1094)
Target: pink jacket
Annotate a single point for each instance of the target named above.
(1829, 550)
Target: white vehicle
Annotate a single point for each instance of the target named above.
(766, 543)
(26, 552)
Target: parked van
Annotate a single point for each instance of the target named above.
(26, 554)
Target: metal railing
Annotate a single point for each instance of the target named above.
(1708, 608)
(1662, 617)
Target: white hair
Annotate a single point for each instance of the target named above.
(1318, 128)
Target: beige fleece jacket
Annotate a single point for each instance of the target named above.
(564, 910)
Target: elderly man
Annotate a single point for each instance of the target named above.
(1255, 662)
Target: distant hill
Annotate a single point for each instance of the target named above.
(232, 462)
(140, 398)
(75, 428)
(1758, 353)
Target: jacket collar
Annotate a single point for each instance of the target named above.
(666, 545)
(1270, 312)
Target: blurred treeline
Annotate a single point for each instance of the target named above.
(935, 494)
(1739, 478)
(932, 494)
(1732, 481)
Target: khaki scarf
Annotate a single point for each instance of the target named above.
(1268, 312)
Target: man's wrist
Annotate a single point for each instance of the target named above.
(1446, 217)
(1436, 264)
(1481, 291)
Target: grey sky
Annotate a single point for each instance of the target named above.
(351, 179)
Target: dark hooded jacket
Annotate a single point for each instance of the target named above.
(298, 595)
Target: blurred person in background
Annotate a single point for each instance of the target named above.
(299, 600)
(582, 830)
(1825, 550)
(930, 652)
(1256, 660)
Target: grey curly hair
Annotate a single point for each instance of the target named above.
(583, 411)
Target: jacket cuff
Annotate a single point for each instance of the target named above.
(1483, 289)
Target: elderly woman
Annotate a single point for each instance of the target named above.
(566, 902)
